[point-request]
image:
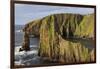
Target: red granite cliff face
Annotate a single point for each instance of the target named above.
(54, 32)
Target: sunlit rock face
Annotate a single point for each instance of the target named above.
(60, 36)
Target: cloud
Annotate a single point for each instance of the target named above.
(25, 13)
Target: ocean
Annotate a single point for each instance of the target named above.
(19, 36)
(25, 58)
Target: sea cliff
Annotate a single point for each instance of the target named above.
(59, 34)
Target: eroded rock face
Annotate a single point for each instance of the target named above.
(92, 54)
(54, 32)
(26, 42)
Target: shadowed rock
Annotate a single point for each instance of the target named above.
(26, 42)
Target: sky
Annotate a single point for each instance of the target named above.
(25, 13)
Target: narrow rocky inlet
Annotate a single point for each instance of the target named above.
(57, 34)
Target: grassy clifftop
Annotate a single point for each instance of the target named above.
(54, 32)
(86, 27)
(68, 25)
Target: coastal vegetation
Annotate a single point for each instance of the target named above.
(62, 36)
